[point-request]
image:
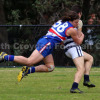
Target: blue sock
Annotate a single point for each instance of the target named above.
(86, 78)
(75, 85)
(31, 70)
(9, 57)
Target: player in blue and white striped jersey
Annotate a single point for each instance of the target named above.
(74, 51)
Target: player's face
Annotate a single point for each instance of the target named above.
(75, 23)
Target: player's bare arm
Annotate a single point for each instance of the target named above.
(74, 34)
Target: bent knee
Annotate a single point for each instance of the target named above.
(91, 58)
(50, 68)
(29, 62)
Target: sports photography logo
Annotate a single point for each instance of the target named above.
(17, 46)
(30, 47)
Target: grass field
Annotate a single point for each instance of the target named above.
(46, 86)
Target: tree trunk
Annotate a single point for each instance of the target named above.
(4, 46)
(3, 33)
(86, 8)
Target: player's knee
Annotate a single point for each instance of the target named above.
(51, 68)
(91, 59)
(81, 69)
(29, 62)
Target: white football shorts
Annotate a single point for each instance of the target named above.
(74, 52)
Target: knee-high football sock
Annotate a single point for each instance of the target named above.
(9, 57)
(86, 78)
(75, 85)
(31, 70)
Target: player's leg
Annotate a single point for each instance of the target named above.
(33, 59)
(88, 64)
(77, 55)
(44, 51)
(48, 67)
(79, 63)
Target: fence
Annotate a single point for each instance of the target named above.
(21, 40)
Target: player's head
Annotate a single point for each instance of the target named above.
(69, 16)
(72, 17)
(77, 9)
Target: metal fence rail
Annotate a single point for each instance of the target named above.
(21, 40)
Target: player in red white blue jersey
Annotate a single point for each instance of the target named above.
(56, 34)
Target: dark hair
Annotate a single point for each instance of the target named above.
(70, 16)
(76, 8)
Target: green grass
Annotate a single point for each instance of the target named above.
(46, 86)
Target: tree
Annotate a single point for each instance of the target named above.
(3, 34)
(85, 8)
(90, 6)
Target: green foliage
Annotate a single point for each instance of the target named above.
(33, 11)
(41, 11)
(20, 12)
(52, 9)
